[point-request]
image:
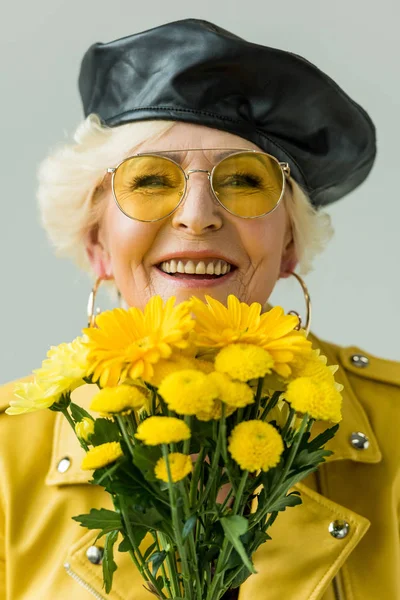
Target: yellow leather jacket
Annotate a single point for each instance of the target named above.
(43, 552)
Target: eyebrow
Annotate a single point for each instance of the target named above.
(179, 155)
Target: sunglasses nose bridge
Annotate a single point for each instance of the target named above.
(188, 173)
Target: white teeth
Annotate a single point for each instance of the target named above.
(210, 269)
(190, 267)
(201, 268)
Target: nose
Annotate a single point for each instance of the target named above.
(199, 212)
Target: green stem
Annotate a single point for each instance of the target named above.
(72, 423)
(124, 432)
(258, 395)
(192, 545)
(186, 443)
(171, 565)
(177, 525)
(164, 572)
(140, 563)
(288, 423)
(239, 493)
(270, 405)
(195, 477)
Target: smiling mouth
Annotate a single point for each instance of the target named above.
(201, 269)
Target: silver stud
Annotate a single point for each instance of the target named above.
(359, 440)
(359, 360)
(95, 554)
(64, 464)
(339, 529)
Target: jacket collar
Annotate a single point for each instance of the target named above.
(355, 419)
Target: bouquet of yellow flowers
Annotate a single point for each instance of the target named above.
(204, 427)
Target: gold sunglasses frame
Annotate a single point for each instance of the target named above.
(284, 166)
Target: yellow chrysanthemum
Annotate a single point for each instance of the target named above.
(216, 412)
(218, 326)
(166, 366)
(320, 399)
(243, 361)
(162, 430)
(120, 399)
(232, 393)
(315, 365)
(127, 343)
(188, 392)
(31, 396)
(180, 465)
(101, 456)
(255, 445)
(85, 429)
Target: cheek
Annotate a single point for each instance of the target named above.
(263, 239)
(128, 242)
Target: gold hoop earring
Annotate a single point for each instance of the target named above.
(308, 306)
(91, 312)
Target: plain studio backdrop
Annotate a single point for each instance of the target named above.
(354, 287)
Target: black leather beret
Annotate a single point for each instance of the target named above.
(195, 71)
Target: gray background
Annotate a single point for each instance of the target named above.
(355, 285)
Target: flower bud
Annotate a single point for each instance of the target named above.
(85, 429)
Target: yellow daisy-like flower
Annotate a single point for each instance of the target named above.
(255, 445)
(85, 429)
(127, 343)
(30, 396)
(162, 430)
(243, 361)
(320, 399)
(180, 465)
(188, 392)
(120, 399)
(233, 393)
(218, 326)
(61, 372)
(65, 366)
(101, 456)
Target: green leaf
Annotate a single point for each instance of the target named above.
(78, 413)
(145, 458)
(125, 545)
(149, 550)
(281, 504)
(234, 527)
(108, 563)
(106, 520)
(188, 526)
(105, 430)
(306, 458)
(157, 560)
(324, 437)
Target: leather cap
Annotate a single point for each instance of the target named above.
(194, 71)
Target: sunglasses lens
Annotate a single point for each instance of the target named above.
(248, 184)
(148, 188)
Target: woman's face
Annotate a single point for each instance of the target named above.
(200, 230)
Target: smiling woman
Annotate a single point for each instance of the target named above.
(198, 170)
(74, 181)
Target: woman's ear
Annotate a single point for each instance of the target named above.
(289, 258)
(98, 255)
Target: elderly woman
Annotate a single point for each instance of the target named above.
(200, 168)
